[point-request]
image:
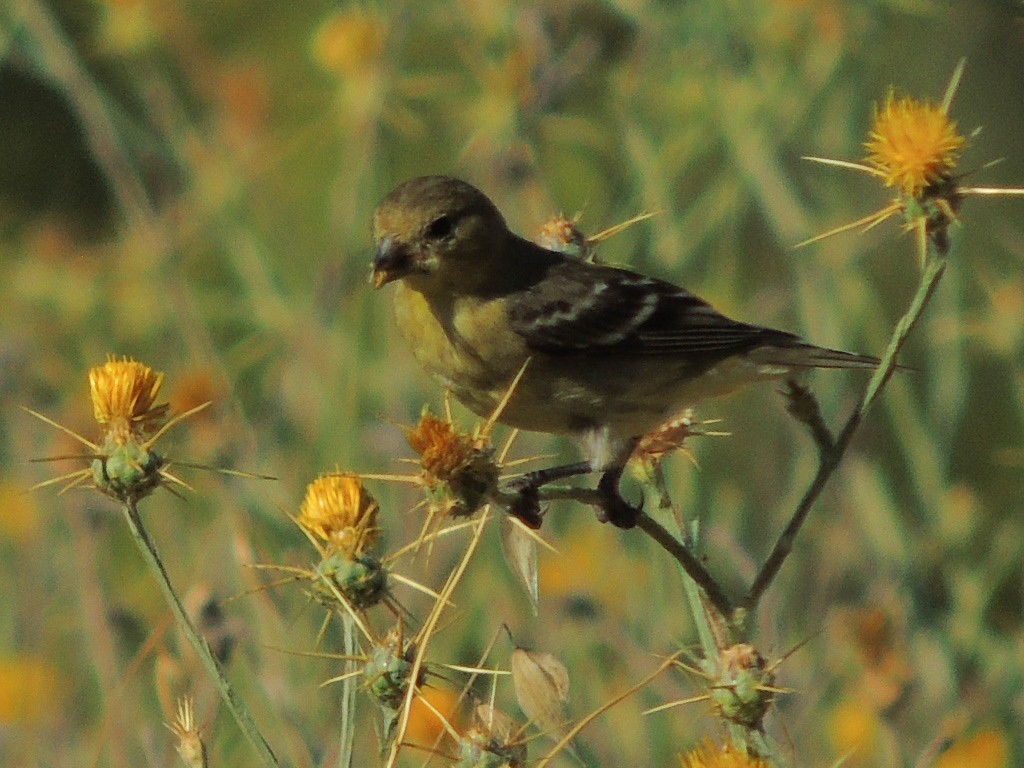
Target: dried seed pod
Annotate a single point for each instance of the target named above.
(542, 687)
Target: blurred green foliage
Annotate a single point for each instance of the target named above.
(191, 183)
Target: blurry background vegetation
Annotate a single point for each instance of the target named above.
(191, 183)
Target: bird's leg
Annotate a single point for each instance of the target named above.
(527, 488)
(615, 509)
(540, 477)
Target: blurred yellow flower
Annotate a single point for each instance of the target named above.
(341, 512)
(854, 727)
(591, 564)
(127, 26)
(913, 144)
(349, 42)
(19, 516)
(985, 749)
(123, 395)
(29, 689)
(425, 724)
(712, 756)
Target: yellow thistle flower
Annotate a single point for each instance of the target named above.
(341, 512)
(124, 465)
(442, 448)
(711, 756)
(123, 396)
(458, 467)
(913, 144)
(915, 147)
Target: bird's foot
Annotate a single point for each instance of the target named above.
(526, 507)
(612, 508)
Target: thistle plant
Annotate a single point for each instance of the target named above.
(401, 560)
(128, 469)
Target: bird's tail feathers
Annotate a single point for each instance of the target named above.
(810, 356)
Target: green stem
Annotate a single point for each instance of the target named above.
(227, 692)
(654, 475)
(935, 265)
(348, 692)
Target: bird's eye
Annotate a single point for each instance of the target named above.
(440, 228)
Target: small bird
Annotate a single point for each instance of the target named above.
(605, 354)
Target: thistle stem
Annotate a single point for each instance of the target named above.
(231, 699)
(937, 248)
(661, 535)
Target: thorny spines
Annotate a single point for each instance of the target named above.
(190, 746)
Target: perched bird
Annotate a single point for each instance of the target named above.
(605, 353)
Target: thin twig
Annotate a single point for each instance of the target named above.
(803, 406)
(662, 536)
(687, 561)
(935, 265)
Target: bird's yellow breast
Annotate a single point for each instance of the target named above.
(465, 342)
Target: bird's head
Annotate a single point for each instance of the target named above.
(436, 230)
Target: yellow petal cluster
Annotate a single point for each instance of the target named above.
(712, 756)
(457, 467)
(341, 512)
(913, 144)
(123, 394)
(350, 42)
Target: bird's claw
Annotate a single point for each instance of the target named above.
(616, 510)
(526, 507)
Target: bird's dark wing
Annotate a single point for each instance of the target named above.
(580, 308)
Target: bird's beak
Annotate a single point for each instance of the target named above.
(391, 262)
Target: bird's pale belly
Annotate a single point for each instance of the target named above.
(559, 393)
(599, 393)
